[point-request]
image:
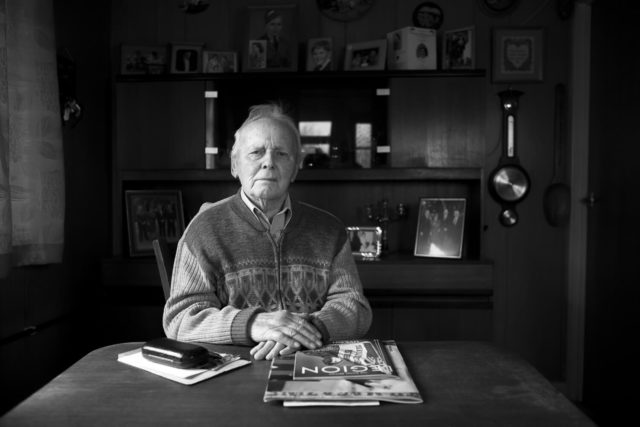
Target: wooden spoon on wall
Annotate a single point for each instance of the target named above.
(557, 196)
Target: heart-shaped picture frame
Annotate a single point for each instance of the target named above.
(517, 55)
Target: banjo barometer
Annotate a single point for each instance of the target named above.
(509, 183)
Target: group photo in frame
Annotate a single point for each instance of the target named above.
(143, 59)
(440, 229)
(366, 242)
(272, 43)
(219, 62)
(185, 58)
(371, 55)
(458, 49)
(152, 214)
(517, 55)
(320, 54)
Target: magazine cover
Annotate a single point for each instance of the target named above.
(343, 360)
(400, 389)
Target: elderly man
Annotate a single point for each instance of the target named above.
(259, 268)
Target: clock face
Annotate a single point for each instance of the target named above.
(498, 7)
(344, 10)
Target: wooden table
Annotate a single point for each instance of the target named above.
(462, 384)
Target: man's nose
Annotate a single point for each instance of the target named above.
(268, 159)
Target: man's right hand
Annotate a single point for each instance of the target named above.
(290, 330)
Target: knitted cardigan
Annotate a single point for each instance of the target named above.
(228, 268)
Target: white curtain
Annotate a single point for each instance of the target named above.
(31, 156)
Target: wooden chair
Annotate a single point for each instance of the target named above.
(164, 258)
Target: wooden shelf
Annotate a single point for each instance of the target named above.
(330, 75)
(381, 174)
(392, 275)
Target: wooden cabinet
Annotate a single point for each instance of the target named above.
(164, 123)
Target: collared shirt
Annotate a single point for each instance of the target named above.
(279, 221)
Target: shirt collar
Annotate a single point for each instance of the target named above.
(286, 209)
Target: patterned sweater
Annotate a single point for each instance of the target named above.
(229, 268)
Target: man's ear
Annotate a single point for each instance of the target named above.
(295, 172)
(233, 168)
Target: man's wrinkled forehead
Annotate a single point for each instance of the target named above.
(268, 130)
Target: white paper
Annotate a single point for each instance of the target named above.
(183, 376)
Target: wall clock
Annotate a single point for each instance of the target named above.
(344, 10)
(498, 7)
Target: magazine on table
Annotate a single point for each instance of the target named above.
(344, 360)
(398, 388)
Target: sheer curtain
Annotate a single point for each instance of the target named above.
(31, 156)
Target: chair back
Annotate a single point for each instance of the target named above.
(164, 259)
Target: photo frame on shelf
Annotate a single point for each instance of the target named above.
(320, 54)
(458, 49)
(136, 59)
(151, 214)
(186, 57)
(366, 242)
(364, 56)
(272, 43)
(219, 62)
(440, 229)
(518, 55)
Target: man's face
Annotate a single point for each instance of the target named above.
(274, 27)
(266, 161)
(428, 17)
(319, 55)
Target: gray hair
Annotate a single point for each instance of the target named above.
(271, 111)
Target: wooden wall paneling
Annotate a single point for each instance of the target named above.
(13, 292)
(160, 125)
(436, 122)
(135, 22)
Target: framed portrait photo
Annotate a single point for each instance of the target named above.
(366, 242)
(152, 214)
(440, 230)
(364, 56)
(185, 58)
(219, 62)
(143, 59)
(518, 55)
(272, 39)
(320, 54)
(458, 49)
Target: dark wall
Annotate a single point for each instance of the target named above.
(47, 312)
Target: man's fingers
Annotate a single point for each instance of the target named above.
(275, 351)
(264, 349)
(256, 348)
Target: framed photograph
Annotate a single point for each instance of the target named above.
(272, 39)
(185, 58)
(440, 231)
(370, 55)
(518, 55)
(143, 59)
(152, 214)
(458, 47)
(219, 62)
(428, 15)
(320, 54)
(366, 242)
